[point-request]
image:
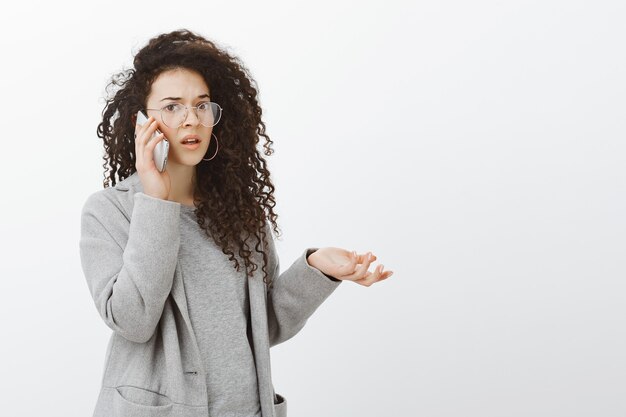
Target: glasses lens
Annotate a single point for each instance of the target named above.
(208, 113)
(173, 115)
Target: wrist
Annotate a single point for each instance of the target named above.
(310, 256)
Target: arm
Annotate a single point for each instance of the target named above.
(295, 295)
(130, 267)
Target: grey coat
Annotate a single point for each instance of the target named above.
(129, 254)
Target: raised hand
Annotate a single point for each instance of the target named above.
(345, 265)
(155, 184)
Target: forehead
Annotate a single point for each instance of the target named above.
(178, 83)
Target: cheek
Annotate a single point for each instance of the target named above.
(170, 134)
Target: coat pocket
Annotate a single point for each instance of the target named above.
(280, 406)
(130, 401)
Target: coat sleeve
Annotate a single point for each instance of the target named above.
(295, 295)
(129, 266)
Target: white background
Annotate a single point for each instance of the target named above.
(477, 148)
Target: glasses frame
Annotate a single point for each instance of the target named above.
(187, 113)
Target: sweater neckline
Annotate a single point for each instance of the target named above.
(187, 208)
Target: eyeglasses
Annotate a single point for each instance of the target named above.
(173, 115)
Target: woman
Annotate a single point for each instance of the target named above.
(191, 331)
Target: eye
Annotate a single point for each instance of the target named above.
(204, 106)
(171, 107)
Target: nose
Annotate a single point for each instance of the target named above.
(193, 115)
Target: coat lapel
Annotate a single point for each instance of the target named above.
(260, 339)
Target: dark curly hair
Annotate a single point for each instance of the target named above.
(233, 193)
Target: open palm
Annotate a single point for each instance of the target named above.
(346, 265)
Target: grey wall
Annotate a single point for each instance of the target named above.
(477, 148)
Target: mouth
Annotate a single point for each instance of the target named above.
(191, 142)
(191, 139)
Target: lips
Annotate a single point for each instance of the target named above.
(189, 137)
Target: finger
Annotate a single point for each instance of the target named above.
(142, 130)
(140, 141)
(150, 129)
(149, 149)
(361, 270)
(371, 277)
(137, 131)
(363, 257)
(153, 143)
(368, 279)
(385, 275)
(138, 153)
(153, 126)
(140, 127)
(364, 281)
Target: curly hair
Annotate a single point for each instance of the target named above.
(233, 193)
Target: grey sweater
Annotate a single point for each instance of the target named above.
(217, 298)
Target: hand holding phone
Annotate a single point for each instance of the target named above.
(161, 149)
(151, 149)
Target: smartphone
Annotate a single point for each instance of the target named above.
(161, 149)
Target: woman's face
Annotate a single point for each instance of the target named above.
(187, 88)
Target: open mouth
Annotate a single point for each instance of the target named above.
(192, 145)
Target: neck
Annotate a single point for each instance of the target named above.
(182, 179)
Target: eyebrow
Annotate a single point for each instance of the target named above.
(178, 98)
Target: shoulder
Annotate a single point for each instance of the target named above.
(113, 200)
(132, 182)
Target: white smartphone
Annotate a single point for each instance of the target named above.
(161, 149)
